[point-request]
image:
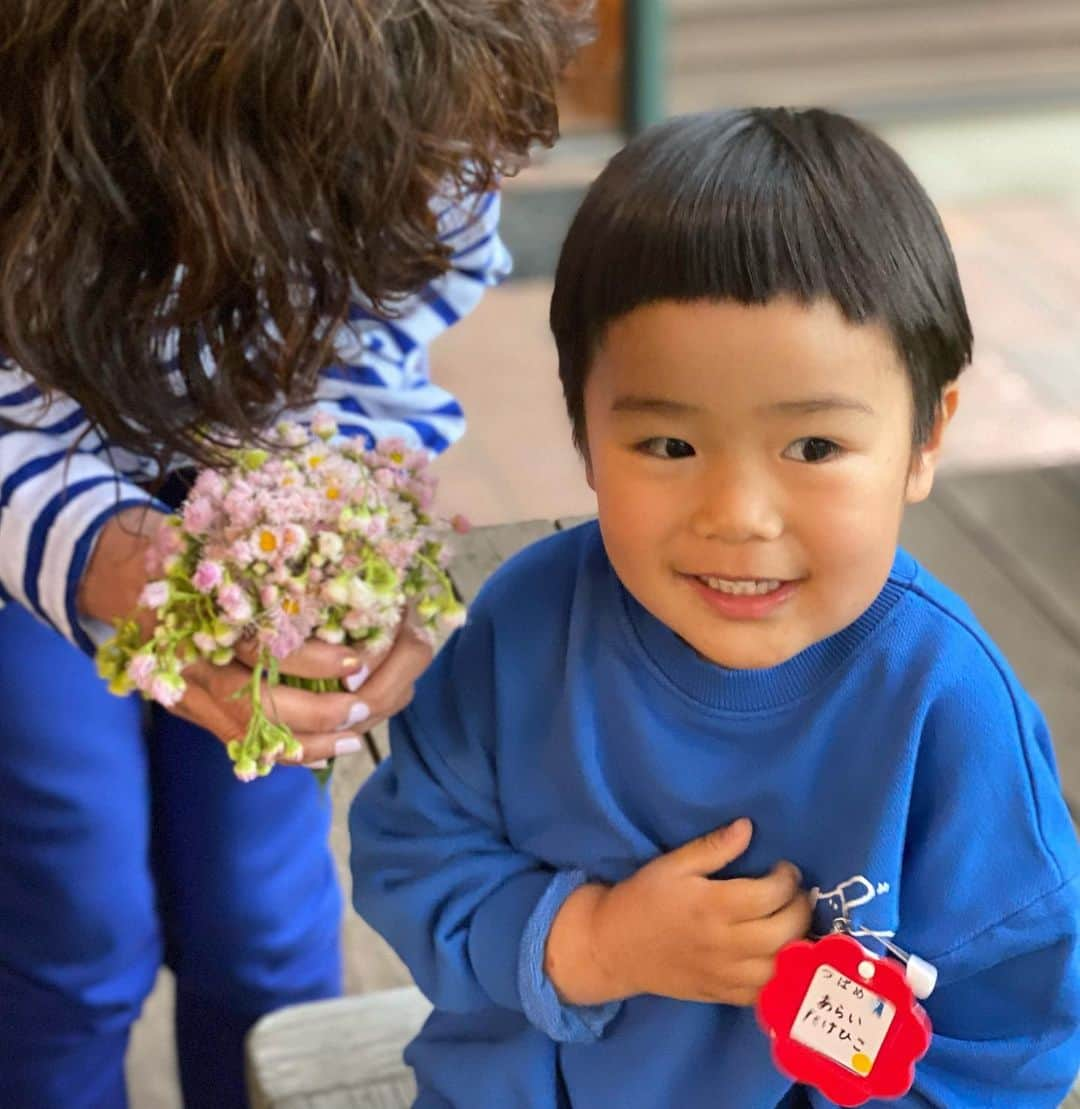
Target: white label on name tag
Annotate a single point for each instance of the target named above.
(843, 1020)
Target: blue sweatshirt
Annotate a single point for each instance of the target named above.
(566, 735)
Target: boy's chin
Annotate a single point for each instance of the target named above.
(745, 656)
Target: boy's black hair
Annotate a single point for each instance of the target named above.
(752, 204)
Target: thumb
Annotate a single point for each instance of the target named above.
(714, 850)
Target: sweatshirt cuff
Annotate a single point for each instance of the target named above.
(539, 1000)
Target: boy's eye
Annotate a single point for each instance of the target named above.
(663, 447)
(812, 449)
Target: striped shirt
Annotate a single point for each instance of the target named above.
(55, 496)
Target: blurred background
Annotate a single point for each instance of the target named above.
(982, 97)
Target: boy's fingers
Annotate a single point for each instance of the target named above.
(755, 898)
(712, 851)
(766, 937)
(752, 974)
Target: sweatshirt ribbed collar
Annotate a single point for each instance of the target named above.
(769, 688)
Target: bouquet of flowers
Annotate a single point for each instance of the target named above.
(306, 538)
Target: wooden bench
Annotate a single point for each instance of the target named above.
(1007, 542)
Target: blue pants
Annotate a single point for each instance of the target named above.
(125, 841)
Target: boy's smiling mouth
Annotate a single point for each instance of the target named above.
(741, 587)
(743, 598)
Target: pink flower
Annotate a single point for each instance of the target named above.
(460, 524)
(235, 603)
(207, 576)
(155, 594)
(454, 618)
(285, 639)
(141, 671)
(198, 515)
(166, 690)
(331, 546)
(324, 425)
(291, 434)
(399, 553)
(241, 553)
(375, 528)
(210, 484)
(240, 505)
(205, 642)
(293, 540)
(164, 549)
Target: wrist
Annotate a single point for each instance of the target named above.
(577, 960)
(116, 571)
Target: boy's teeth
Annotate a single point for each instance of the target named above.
(741, 588)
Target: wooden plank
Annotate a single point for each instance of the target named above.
(480, 553)
(333, 1054)
(870, 86)
(398, 1094)
(1031, 525)
(370, 962)
(898, 31)
(1068, 477)
(1044, 659)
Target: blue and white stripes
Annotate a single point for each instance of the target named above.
(59, 482)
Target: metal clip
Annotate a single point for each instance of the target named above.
(920, 975)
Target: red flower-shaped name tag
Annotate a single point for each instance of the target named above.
(843, 1020)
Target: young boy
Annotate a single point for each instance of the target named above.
(732, 712)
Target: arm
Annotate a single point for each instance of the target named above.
(60, 489)
(1006, 1015)
(433, 869)
(991, 896)
(379, 387)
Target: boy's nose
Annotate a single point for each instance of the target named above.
(735, 510)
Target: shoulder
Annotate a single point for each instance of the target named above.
(523, 611)
(544, 579)
(964, 678)
(986, 802)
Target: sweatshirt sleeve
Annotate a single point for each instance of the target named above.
(991, 897)
(434, 871)
(59, 485)
(379, 385)
(1006, 1013)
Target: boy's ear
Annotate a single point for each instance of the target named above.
(924, 458)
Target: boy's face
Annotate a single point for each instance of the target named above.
(751, 466)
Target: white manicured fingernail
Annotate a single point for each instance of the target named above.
(348, 746)
(319, 764)
(357, 715)
(354, 681)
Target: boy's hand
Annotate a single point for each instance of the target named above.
(671, 930)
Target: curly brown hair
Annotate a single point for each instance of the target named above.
(228, 172)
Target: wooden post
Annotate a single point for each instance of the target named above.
(646, 64)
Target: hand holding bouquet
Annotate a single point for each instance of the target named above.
(309, 538)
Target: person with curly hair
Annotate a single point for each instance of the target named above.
(212, 213)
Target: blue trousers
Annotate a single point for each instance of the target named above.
(125, 842)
